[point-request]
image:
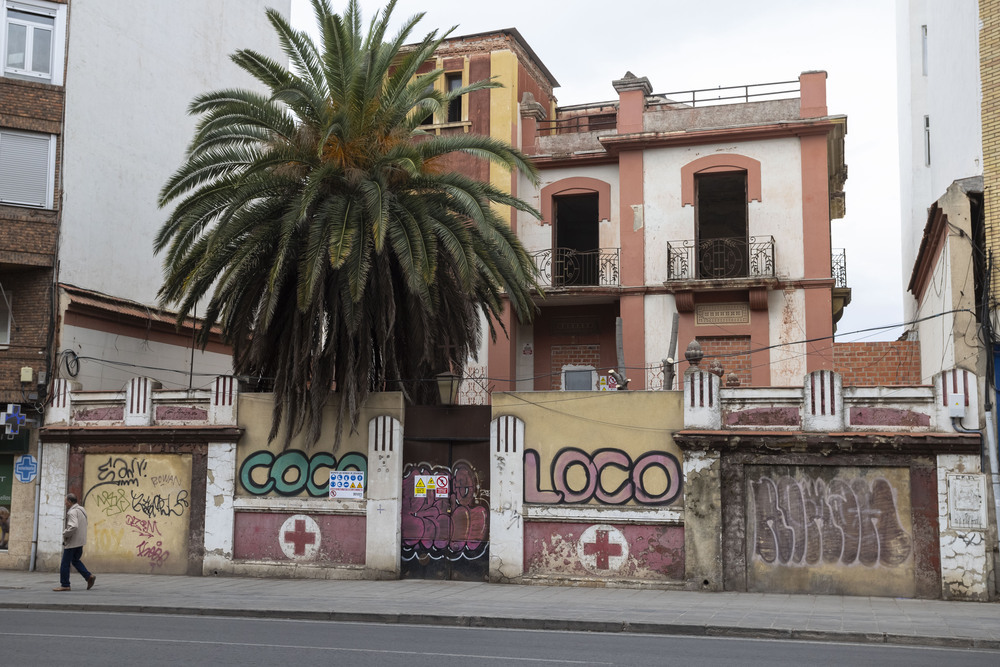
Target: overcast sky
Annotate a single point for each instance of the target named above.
(685, 45)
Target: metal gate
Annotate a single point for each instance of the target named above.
(446, 495)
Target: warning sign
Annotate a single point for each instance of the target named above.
(347, 484)
(423, 484)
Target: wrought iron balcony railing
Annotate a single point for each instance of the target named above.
(719, 259)
(838, 267)
(567, 267)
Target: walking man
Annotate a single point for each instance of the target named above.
(74, 537)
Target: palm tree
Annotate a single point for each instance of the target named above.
(334, 248)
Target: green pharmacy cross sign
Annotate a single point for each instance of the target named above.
(12, 420)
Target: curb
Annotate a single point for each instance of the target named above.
(520, 623)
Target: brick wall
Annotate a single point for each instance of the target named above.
(29, 292)
(573, 355)
(875, 364)
(989, 72)
(733, 352)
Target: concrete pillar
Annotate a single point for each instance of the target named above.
(823, 402)
(812, 94)
(506, 498)
(60, 409)
(384, 501)
(702, 409)
(52, 508)
(139, 401)
(703, 520)
(222, 406)
(220, 490)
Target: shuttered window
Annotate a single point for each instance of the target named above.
(26, 168)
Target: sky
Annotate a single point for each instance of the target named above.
(685, 45)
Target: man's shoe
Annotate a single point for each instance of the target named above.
(62, 588)
(90, 581)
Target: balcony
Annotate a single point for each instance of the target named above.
(568, 267)
(721, 259)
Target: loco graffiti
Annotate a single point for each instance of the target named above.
(293, 472)
(843, 521)
(653, 478)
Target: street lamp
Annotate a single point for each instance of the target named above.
(448, 383)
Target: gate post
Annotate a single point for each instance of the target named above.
(506, 498)
(385, 490)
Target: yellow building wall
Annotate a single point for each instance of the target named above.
(270, 469)
(989, 70)
(138, 510)
(503, 107)
(18, 525)
(599, 448)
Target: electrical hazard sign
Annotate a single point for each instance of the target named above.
(347, 484)
(439, 485)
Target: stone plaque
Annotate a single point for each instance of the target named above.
(574, 326)
(966, 501)
(722, 313)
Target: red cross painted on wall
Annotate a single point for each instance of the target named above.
(300, 537)
(603, 549)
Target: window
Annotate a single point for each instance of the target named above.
(453, 82)
(27, 168)
(4, 318)
(927, 141)
(579, 378)
(32, 42)
(722, 224)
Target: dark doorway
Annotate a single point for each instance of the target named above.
(722, 225)
(577, 251)
(446, 535)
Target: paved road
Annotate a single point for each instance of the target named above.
(534, 607)
(99, 639)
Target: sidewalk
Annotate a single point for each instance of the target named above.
(807, 617)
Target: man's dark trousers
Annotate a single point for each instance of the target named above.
(72, 557)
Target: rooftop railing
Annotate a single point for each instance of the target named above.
(755, 92)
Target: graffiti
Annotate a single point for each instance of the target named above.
(164, 480)
(594, 465)
(157, 505)
(111, 501)
(291, 472)
(144, 527)
(118, 471)
(807, 521)
(106, 537)
(155, 554)
(453, 527)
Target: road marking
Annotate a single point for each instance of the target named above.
(295, 646)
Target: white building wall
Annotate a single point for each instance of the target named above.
(948, 92)
(537, 236)
(108, 361)
(778, 214)
(133, 69)
(786, 310)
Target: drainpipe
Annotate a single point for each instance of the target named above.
(38, 502)
(994, 468)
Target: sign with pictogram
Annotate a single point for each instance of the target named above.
(25, 468)
(424, 484)
(347, 484)
(441, 486)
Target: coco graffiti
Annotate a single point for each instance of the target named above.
(291, 472)
(453, 527)
(593, 465)
(801, 522)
